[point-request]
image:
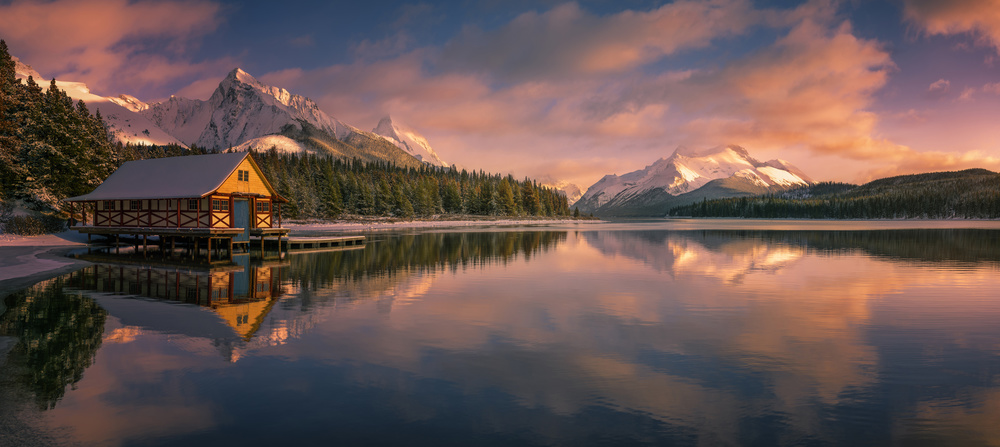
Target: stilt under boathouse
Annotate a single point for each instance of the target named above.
(215, 201)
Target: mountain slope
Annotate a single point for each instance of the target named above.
(652, 190)
(656, 203)
(408, 140)
(240, 109)
(124, 122)
(244, 113)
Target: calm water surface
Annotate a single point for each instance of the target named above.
(673, 333)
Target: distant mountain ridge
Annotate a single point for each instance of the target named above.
(970, 194)
(688, 175)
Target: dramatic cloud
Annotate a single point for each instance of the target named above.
(979, 18)
(811, 89)
(112, 45)
(567, 41)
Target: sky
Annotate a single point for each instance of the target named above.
(846, 90)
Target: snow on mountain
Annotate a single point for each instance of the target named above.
(570, 190)
(130, 102)
(689, 169)
(120, 114)
(408, 140)
(241, 109)
(183, 118)
(22, 70)
(280, 143)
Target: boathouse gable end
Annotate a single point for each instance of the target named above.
(246, 179)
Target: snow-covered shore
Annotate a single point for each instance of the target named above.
(25, 260)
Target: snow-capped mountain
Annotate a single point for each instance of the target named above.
(242, 114)
(570, 190)
(121, 114)
(408, 140)
(687, 170)
(241, 109)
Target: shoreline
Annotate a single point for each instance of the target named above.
(377, 225)
(28, 260)
(42, 263)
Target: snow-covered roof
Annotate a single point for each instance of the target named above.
(167, 178)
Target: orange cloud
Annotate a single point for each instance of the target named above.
(979, 18)
(112, 45)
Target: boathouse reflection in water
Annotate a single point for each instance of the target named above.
(240, 294)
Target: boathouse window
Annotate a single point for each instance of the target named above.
(109, 205)
(220, 205)
(134, 205)
(192, 204)
(263, 207)
(242, 175)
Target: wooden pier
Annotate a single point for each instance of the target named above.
(323, 243)
(216, 241)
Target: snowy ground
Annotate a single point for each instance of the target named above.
(26, 258)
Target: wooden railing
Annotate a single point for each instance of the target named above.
(151, 218)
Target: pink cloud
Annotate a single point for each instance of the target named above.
(938, 89)
(112, 45)
(979, 18)
(992, 88)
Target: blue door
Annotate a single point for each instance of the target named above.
(242, 279)
(241, 219)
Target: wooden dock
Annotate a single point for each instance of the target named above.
(321, 243)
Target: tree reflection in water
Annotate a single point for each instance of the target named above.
(58, 334)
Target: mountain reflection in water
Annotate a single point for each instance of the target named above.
(563, 337)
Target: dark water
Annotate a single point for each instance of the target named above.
(579, 335)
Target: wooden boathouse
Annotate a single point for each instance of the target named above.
(200, 198)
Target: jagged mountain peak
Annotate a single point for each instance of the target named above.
(408, 140)
(241, 109)
(386, 127)
(239, 74)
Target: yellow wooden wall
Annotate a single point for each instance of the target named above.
(255, 185)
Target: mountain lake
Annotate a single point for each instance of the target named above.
(667, 332)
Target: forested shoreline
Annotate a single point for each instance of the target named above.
(969, 194)
(328, 188)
